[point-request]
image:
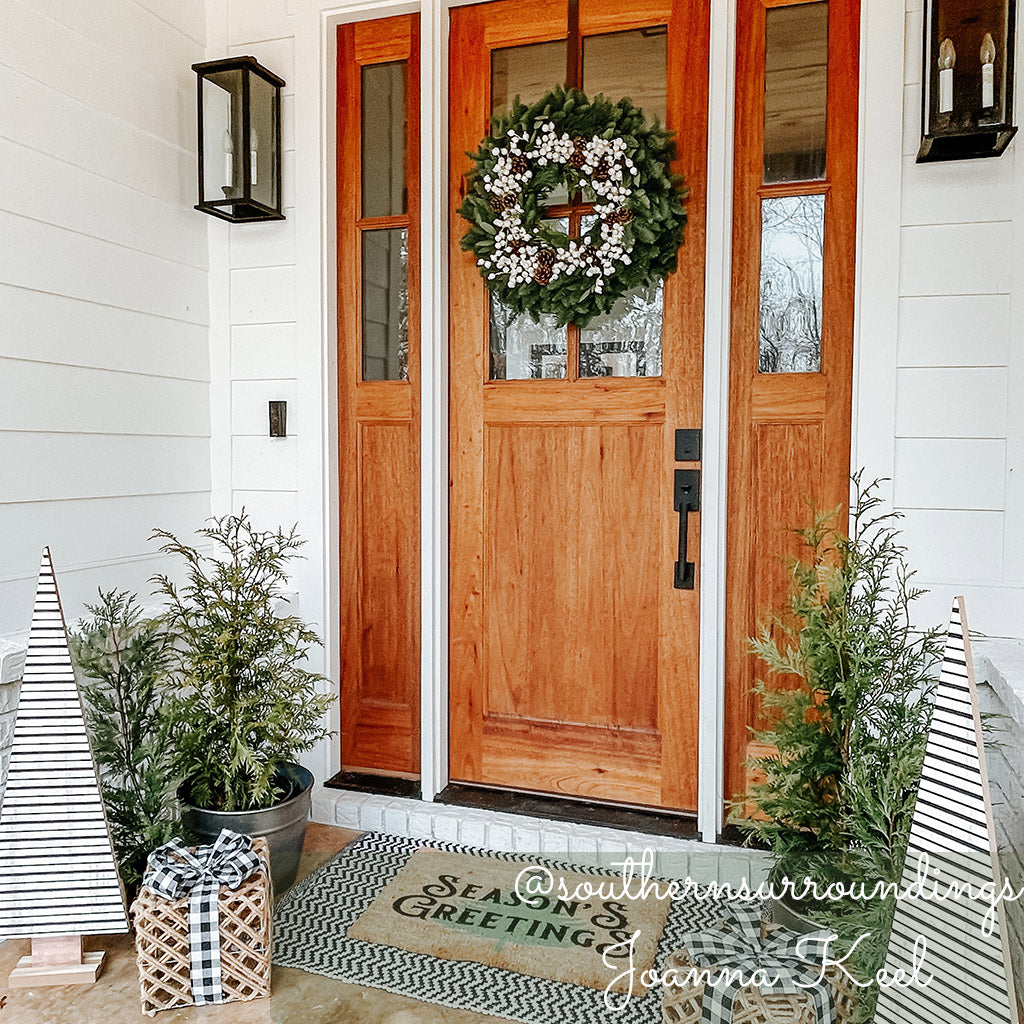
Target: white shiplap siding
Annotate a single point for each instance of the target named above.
(104, 285)
(957, 435)
(262, 310)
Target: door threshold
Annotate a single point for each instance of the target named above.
(676, 824)
(382, 785)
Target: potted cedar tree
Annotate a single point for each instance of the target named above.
(247, 705)
(848, 727)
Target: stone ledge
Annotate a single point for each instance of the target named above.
(1000, 664)
(503, 832)
(12, 658)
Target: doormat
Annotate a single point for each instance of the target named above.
(441, 923)
(461, 906)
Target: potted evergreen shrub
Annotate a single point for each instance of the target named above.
(846, 723)
(247, 705)
(122, 659)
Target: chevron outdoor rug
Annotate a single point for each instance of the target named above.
(441, 923)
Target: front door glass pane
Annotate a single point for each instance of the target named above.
(383, 139)
(385, 313)
(627, 341)
(525, 71)
(522, 349)
(795, 92)
(792, 263)
(629, 64)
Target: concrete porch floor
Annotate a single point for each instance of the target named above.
(297, 997)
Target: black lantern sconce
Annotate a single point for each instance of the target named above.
(239, 140)
(968, 79)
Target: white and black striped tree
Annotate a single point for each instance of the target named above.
(58, 876)
(952, 826)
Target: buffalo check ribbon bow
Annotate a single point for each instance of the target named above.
(174, 871)
(791, 964)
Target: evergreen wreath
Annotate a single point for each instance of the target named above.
(608, 154)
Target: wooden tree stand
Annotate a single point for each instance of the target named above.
(57, 961)
(161, 942)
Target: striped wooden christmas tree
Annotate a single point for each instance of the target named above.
(953, 825)
(58, 876)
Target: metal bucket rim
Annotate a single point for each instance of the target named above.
(306, 784)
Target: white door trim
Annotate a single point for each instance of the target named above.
(714, 479)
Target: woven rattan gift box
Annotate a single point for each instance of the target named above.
(162, 951)
(682, 1004)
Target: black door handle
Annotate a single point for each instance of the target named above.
(687, 500)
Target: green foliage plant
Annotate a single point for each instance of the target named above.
(246, 701)
(122, 658)
(847, 728)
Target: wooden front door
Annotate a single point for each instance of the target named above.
(574, 657)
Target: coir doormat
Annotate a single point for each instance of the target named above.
(443, 924)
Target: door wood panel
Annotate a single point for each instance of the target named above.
(789, 433)
(573, 660)
(378, 443)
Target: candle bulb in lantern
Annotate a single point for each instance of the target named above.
(254, 145)
(229, 160)
(947, 58)
(988, 77)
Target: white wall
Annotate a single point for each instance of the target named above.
(270, 335)
(958, 449)
(104, 359)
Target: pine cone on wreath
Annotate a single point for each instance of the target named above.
(601, 171)
(520, 165)
(623, 215)
(545, 266)
(578, 158)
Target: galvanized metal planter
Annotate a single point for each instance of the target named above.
(283, 825)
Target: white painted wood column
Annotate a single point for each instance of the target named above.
(434, 396)
(717, 303)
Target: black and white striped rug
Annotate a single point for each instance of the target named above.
(311, 923)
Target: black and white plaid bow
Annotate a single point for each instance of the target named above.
(791, 963)
(174, 871)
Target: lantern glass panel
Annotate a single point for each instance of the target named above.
(222, 110)
(965, 23)
(263, 162)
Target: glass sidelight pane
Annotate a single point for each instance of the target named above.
(627, 341)
(383, 139)
(795, 92)
(792, 262)
(385, 313)
(629, 64)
